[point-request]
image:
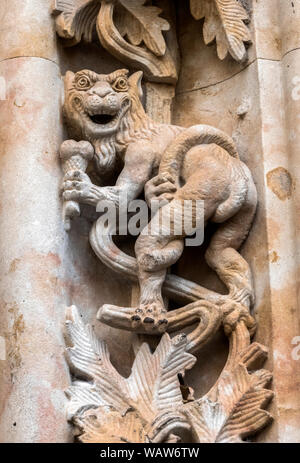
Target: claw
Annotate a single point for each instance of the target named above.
(162, 325)
(233, 313)
(148, 320)
(136, 320)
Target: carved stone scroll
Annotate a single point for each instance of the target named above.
(129, 30)
(132, 31)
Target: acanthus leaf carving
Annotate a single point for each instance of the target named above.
(76, 19)
(235, 410)
(224, 21)
(142, 24)
(148, 406)
(141, 408)
(143, 27)
(156, 68)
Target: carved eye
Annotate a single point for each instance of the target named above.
(121, 84)
(83, 83)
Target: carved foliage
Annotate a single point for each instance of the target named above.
(235, 410)
(132, 30)
(142, 24)
(148, 406)
(116, 21)
(76, 19)
(224, 21)
(110, 408)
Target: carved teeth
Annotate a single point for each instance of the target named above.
(102, 117)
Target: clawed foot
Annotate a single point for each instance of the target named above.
(150, 317)
(78, 187)
(235, 312)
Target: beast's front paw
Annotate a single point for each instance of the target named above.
(78, 187)
(150, 317)
(160, 188)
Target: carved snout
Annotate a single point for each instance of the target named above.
(95, 104)
(101, 89)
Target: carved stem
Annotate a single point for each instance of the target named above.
(208, 316)
(239, 340)
(156, 68)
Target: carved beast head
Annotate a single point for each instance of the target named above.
(95, 104)
(103, 109)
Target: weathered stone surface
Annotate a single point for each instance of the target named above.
(149, 406)
(43, 269)
(271, 248)
(33, 282)
(27, 29)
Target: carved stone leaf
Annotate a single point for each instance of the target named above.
(153, 383)
(146, 402)
(89, 359)
(206, 418)
(102, 426)
(82, 395)
(142, 23)
(243, 397)
(77, 19)
(144, 46)
(224, 21)
(235, 410)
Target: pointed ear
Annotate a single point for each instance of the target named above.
(135, 82)
(68, 78)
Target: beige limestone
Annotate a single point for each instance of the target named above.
(33, 281)
(266, 136)
(255, 102)
(106, 111)
(27, 29)
(149, 406)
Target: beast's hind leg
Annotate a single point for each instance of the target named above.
(222, 255)
(157, 248)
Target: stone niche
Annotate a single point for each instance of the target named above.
(239, 351)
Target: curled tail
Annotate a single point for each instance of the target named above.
(172, 159)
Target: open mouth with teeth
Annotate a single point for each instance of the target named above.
(103, 119)
(106, 120)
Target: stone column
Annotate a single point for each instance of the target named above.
(276, 26)
(33, 287)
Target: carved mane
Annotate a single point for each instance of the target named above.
(135, 125)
